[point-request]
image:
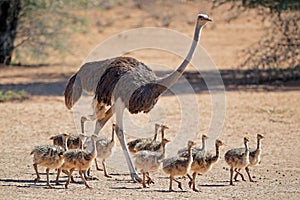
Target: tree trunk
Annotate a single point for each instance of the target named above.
(9, 13)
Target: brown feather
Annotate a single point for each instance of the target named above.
(69, 101)
(111, 76)
(145, 97)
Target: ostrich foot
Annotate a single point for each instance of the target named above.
(36, 180)
(190, 184)
(135, 178)
(179, 186)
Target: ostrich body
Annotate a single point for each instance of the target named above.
(153, 145)
(132, 144)
(47, 156)
(238, 158)
(203, 162)
(254, 157)
(178, 166)
(78, 159)
(123, 82)
(149, 161)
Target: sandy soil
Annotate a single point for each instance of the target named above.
(271, 110)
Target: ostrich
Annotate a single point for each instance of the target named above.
(149, 161)
(104, 150)
(203, 162)
(78, 159)
(178, 166)
(238, 158)
(47, 156)
(254, 157)
(123, 82)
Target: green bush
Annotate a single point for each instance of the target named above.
(13, 96)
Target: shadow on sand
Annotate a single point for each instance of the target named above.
(191, 82)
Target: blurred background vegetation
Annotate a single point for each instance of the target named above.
(35, 28)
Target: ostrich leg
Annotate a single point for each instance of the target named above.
(120, 133)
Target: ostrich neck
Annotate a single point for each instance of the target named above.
(173, 77)
(162, 134)
(66, 144)
(113, 134)
(162, 156)
(93, 150)
(246, 147)
(155, 134)
(190, 156)
(216, 157)
(203, 145)
(258, 144)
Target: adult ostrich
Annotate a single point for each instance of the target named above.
(123, 82)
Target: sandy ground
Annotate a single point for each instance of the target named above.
(273, 111)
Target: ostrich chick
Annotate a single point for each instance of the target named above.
(178, 166)
(80, 160)
(254, 157)
(238, 158)
(203, 162)
(149, 161)
(132, 144)
(104, 150)
(47, 156)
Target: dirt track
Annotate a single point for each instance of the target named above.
(249, 110)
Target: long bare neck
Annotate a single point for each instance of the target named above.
(203, 145)
(163, 145)
(258, 144)
(155, 134)
(190, 156)
(246, 147)
(66, 143)
(169, 80)
(93, 150)
(216, 157)
(162, 134)
(113, 134)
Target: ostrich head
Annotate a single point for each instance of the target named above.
(246, 140)
(204, 137)
(165, 141)
(203, 19)
(219, 143)
(191, 143)
(260, 136)
(164, 127)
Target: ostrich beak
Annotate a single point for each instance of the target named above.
(208, 19)
(205, 17)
